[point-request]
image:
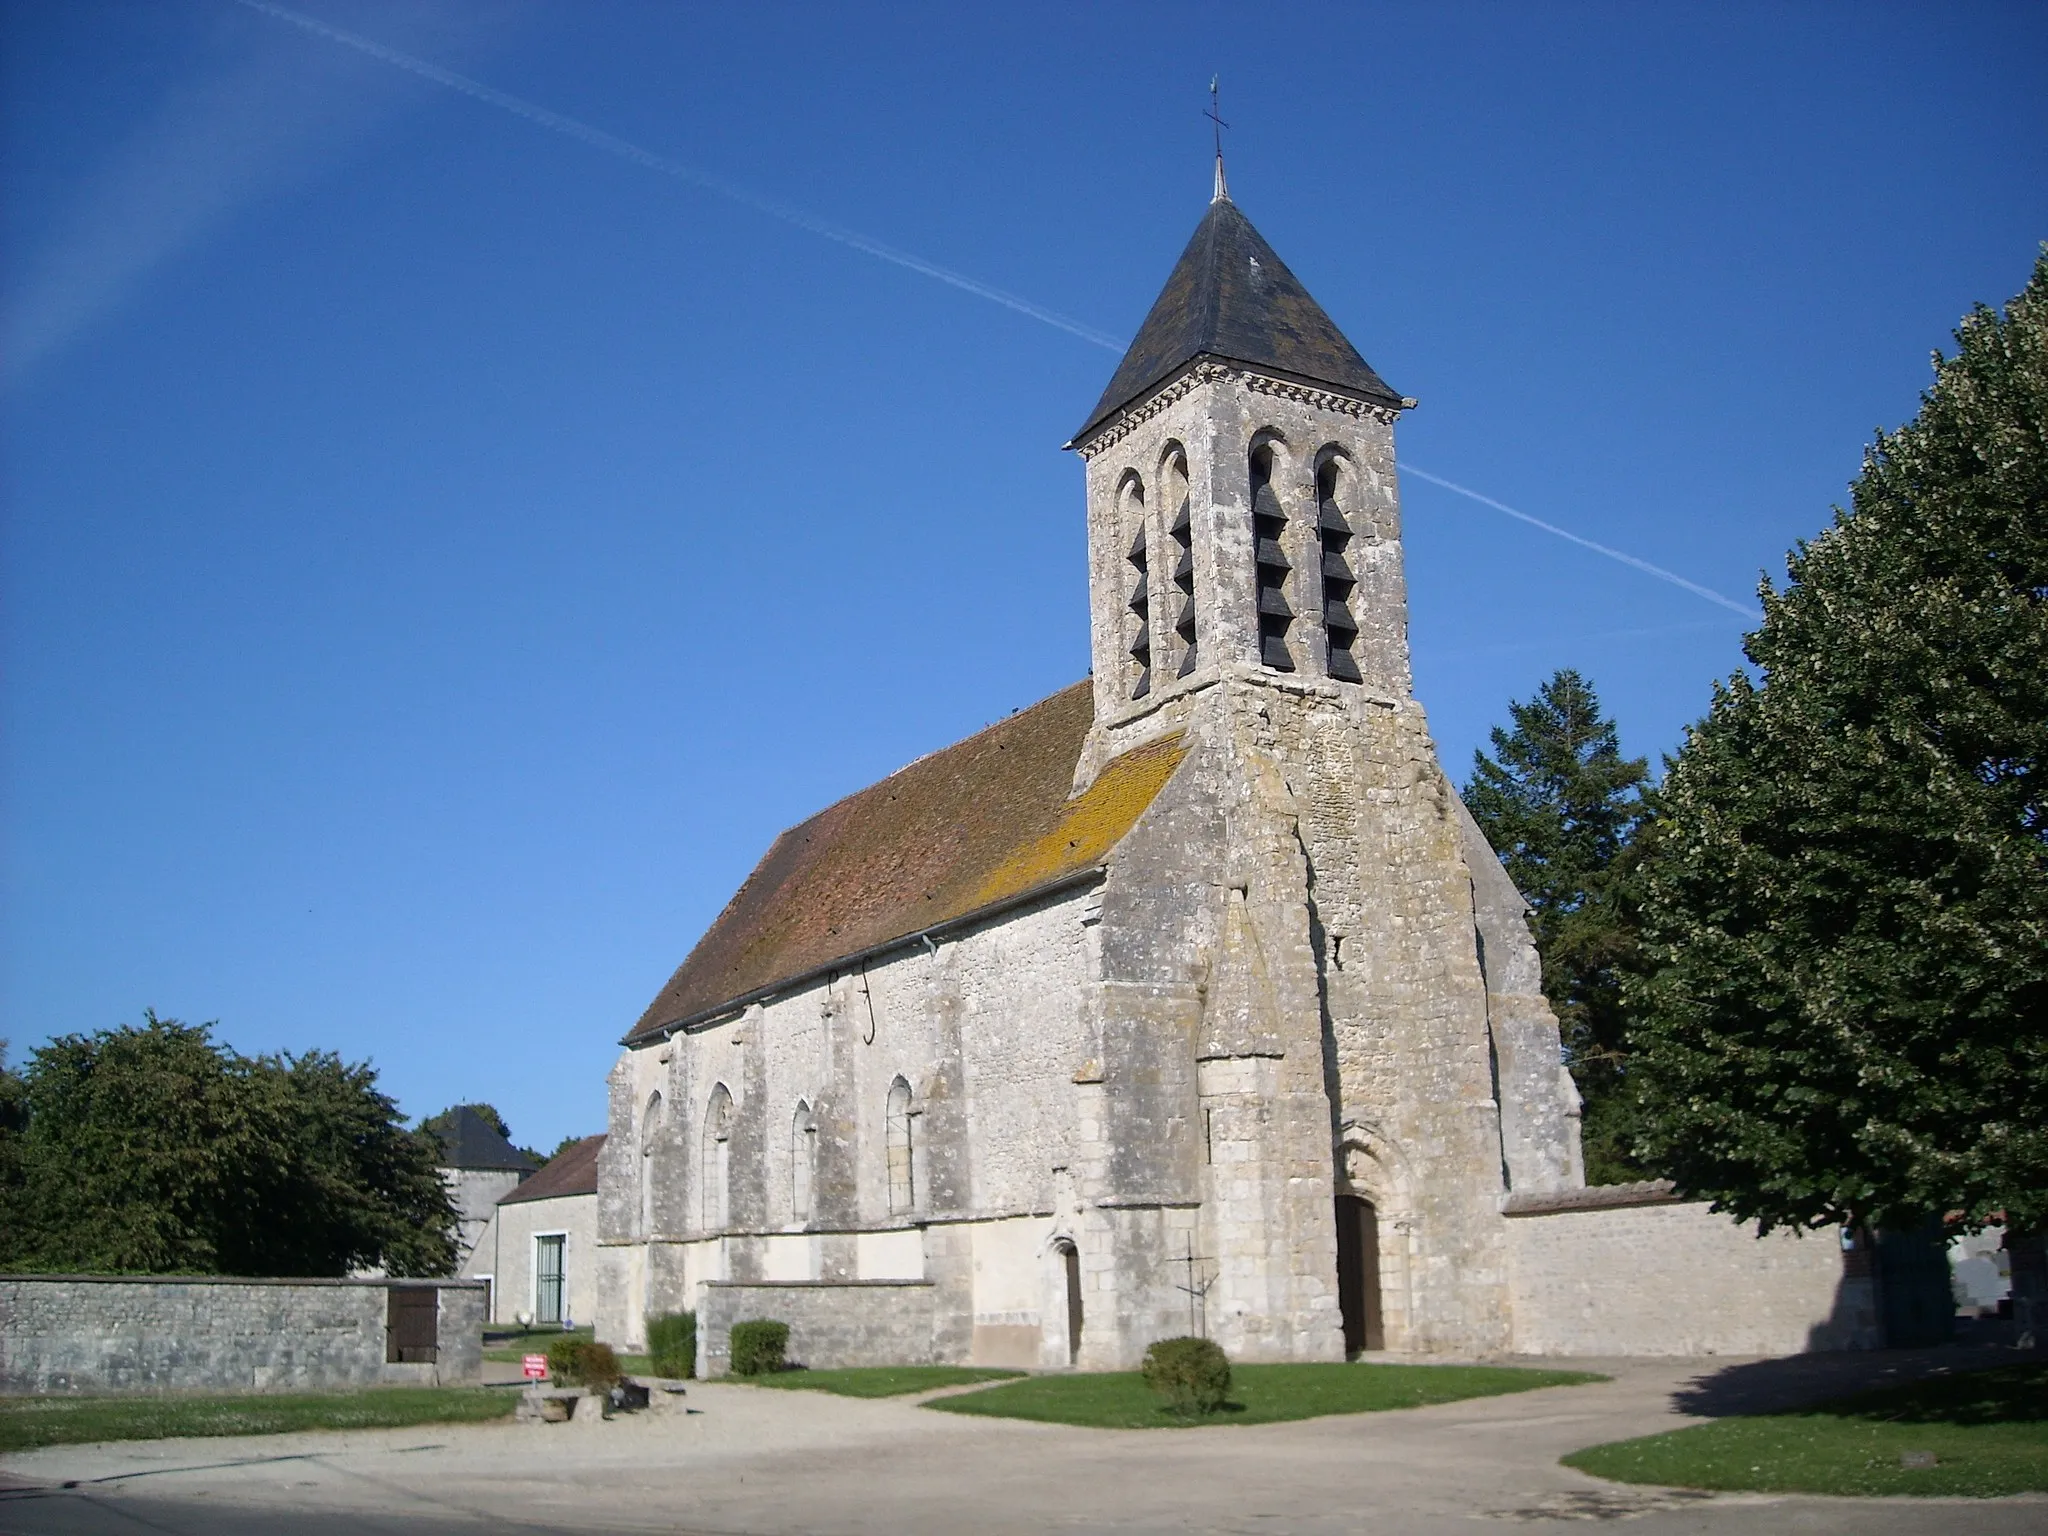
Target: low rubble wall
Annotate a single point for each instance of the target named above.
(1631, 1270)
(156, 1333)
(832, 1323)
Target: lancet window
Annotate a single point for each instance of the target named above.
(1333, 528)
(650, 1136)
(902, 1187)
(1181, 540)
(1138, 607)
(1270, 564)
(717, 1158)
(803, 1160)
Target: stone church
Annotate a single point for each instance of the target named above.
(1190, 999)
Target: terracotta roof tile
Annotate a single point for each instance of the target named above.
(979, 823)
(571, 1171)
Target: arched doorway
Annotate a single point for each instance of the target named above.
(1358, 1274)
(1070, 1273)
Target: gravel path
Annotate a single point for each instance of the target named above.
(736, 1459)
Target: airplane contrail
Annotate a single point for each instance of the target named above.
(611, 144)
(597, 138)
(1625, 558)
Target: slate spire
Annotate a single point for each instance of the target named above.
(1230, 297)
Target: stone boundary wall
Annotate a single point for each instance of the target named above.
(832, 1323)
(160, 1333)
(1634, 1271)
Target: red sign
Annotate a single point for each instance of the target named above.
(536, 1367)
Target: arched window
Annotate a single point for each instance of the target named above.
(1181, 533)
(902, 1188)
(1270, 567)
(1131, 518)
(1070, 1285)
(803, 1160)
(717, 1159)
(650, 1138)
(1333, 527)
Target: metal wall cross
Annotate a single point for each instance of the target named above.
(1197, 1291)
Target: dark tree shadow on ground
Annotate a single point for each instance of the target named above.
(1801, 1381)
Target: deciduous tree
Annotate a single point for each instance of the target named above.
(1845, 905)
(155, 1150)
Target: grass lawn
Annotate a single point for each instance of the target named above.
(508, 1341)
(1259, 1394)
(1988, 1431)
(27, 1422)
(878, 1380)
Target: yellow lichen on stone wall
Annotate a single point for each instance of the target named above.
(1093, 822)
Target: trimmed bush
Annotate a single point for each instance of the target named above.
(582, 1363)
(1193, 1375)
(672, 1344)
(596, 1366)
(758, 1346)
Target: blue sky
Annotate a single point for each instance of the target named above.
(439, 553)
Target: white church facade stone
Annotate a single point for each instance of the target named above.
(1189, 999)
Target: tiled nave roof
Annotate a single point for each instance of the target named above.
(985, 820)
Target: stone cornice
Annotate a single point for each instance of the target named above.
(1210, 371)
(1128, 420)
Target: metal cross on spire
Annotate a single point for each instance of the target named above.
(1214, 114)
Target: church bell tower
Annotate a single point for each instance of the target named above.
(1243, 513)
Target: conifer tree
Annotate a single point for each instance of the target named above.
(1844, 1017)
(1560, 805)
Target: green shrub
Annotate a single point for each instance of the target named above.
(562, 1360)
(596, 1366)
(582, 1363)
(672, 1344)
(758, 1347)
(1193, 1375)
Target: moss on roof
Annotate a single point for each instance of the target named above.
(981, 822)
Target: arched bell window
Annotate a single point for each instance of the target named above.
(1180, 535)
(1138, 606)
(902, 1184)
(1270, 564)
(1333, 530)
(717, 1158)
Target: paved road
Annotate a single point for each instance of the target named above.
(743, 1460)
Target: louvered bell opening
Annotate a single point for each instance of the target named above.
(1268, 552)
(1143, 685)
(1266, 504)
(1334, 568)
(1141, 646)
(1141, 595)
(1343, 668)
(1273, 605)
(1184, 570)
(1184, 621)
(1182, 521)
(1187, 660)
(1331, 519)
(1273, 652)
(1337, 619)
(1137, 554)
